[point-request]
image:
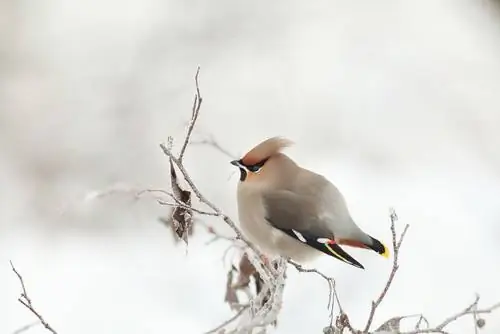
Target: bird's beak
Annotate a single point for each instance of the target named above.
(236, 163)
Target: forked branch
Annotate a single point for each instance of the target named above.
(26, 301)
(272, 277)
(269, 275)
(396, 245)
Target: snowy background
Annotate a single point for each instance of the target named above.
(397, 102)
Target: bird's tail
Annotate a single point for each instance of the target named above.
(378, 247)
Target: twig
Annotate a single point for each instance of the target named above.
(194, 188)
(475, 318)
(342, 320)
(196, 110)
(177, 203)
(24, 294)
(182, 205)
(270, 276)
(216, 235)
(228, 321)
(26, 301)
(469, 310)
(420, 320)
(396, 245)
(215, 144)
(331, 283)
(218, 212)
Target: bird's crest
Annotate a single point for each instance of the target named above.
(265, 149)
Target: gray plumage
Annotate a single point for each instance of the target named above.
(279, 196)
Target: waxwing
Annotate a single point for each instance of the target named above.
(289, 211)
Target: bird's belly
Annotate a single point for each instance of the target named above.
(273, 243)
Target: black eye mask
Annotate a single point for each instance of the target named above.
(243, 174)
(256, 167)
(244, 169)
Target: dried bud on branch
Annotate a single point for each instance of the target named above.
(182, 216)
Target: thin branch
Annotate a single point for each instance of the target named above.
(270, 276)
(228, 321)
(212, 206)
(469, 310)
(26, 301)
(177, 203)
(472, 308)
(396, 245)
(215, 144)
(331, 284)
(216, 235)
(196, 110)
(475, 318)
(182, 205)
(24, 294)
(420, 320)
(342, 320)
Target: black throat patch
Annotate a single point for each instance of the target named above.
(243, 174)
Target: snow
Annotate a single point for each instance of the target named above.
(396, 102)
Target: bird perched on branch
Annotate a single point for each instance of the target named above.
(287, 210)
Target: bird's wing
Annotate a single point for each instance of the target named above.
(294, 215)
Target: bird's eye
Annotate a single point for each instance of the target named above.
(254, 168)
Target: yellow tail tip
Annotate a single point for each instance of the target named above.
(386, 252)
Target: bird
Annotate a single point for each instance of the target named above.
(289, 211)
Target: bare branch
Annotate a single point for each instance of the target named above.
(269, 275)
(469, 310)
(26, 301)
(228, 321)
(24, 294)
(262, 310)
(215, 144)
(218, 212)
(420, 320)
(396, 245)
(196, 110)
(177, 204)
(330, 280)
(394, 324)
(342, 321)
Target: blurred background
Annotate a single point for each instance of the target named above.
(396, 102)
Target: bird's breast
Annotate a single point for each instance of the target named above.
(269, 240)
(252, 213)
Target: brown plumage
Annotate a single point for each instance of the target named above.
(290, 211)
(265, 149)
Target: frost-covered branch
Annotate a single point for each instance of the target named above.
(26, 301)
(265, 307)
(471, 310)
(342, 320)
(396, 245)
(228, 321)
(269, 278)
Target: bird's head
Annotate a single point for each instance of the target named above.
(264, 161)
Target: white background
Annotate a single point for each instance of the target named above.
(396, 102)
